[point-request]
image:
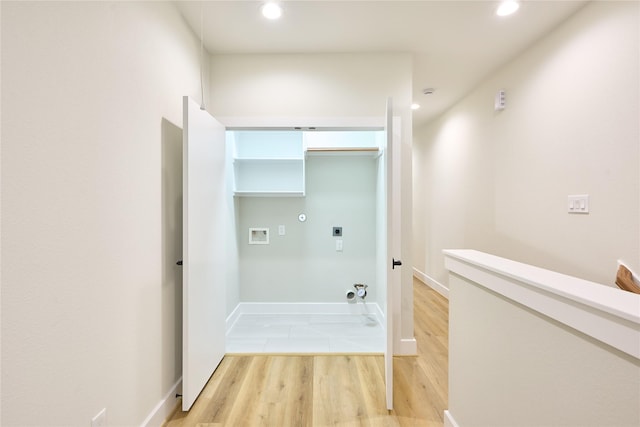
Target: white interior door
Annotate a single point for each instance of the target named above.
(203, 336)
(393, 206)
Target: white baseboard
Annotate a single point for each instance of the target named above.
(431, 282)
(448, 420)
(233, 318)
(164, 408)
(304, 308)
(408, 347)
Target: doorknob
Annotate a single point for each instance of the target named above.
(395, 263)
(179, 262)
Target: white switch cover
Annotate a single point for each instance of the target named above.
(578, 203)
(339, 245)
(281, 230)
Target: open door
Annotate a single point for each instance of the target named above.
(393, 209)
(203, 276)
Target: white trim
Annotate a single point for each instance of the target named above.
(325, 123)
(449, 421)
(407, 347)
(303, 308)
(233, 318)
(431, 282)
(163, 410)
(605, 313)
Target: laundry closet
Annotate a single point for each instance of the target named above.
(309, 214)
(290, 241)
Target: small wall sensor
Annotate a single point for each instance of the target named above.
(337, 231)
(500, 101)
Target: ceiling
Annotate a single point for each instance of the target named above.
(455, 44)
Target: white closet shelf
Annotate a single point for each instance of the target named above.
(268, 164)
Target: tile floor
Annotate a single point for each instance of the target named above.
(306, 333)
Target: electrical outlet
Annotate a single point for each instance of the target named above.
(100, 420)
(281, 230)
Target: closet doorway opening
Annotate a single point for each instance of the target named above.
(310, 230)
(221, 174)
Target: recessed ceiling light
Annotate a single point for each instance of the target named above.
(415, 106)
(507, 7)
(271, 10)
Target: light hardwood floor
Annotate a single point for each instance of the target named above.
(332, 390)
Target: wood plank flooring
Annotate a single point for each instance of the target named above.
(332, 390)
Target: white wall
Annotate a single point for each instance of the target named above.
(532, 370)
(323, 85)
(315, 85)
(303, 265)
(91, 192)
(499, 181)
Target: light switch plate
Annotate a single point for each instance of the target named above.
(578, 204)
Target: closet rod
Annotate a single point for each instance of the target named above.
(332, 149)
